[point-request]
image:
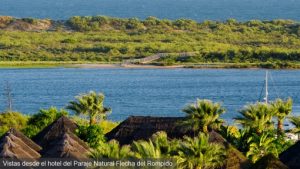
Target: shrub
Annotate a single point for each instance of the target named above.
(42, 119)
(92, 134)
(12, 120)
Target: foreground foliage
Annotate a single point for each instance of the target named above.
(199, 153)
(190, 153)
(256, 136)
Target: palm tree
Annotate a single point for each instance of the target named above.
(111, 150)
(203, 114)
(198, 153)
(90, 104)
(160, 140)
(146, 149)
(261, 145)
(281, 109)
(237, 137)
(258, 117)
(295, 120)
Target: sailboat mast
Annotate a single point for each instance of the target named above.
(267, 93)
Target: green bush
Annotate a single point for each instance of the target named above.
(12, 120)
(42, 119)
(92, 134)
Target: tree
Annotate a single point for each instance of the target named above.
(203, 114)
(12, 120)
(261, 145)
(92, 134)
(90, 104)
(282, 109)
(146, 149)
(198, 153)
(237, 137)
(295, 120)
(42, 119)
(160, 140)
(258, 117)
(111, 150)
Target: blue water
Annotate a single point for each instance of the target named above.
(155, 92)
(172, 9)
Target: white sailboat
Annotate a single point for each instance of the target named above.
(266, 89)
(289, 136)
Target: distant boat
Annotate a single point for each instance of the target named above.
(289, 136)
(266, 89)
(264, 98)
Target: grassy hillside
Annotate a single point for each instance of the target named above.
(105, 39)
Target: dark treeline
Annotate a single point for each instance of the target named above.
(107, 39)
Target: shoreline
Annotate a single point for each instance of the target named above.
(128, 66)
(85, 65)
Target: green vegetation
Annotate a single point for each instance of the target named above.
(257, 117)
(92, 134)
(254, 43)
(199, 153)
(90, 104)
(36, 64)
(42, 119)
(12, 119)
(33, 124)
(203, 114)
(282, 110)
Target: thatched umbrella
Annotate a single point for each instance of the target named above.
(67, 146)
(291, 156)
(59, 141)
(269, 162)
(142, 128)
(15, 145)
(54, 130)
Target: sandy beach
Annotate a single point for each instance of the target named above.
(125, 66)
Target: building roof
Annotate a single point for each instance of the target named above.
(14, 144)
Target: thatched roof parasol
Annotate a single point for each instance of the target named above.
(142, 128)
(269, 162)
(291, 156)
(66, 146)
(54, 130)
(14, 144)
(59, 141)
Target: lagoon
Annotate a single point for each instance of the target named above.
(153, 92)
